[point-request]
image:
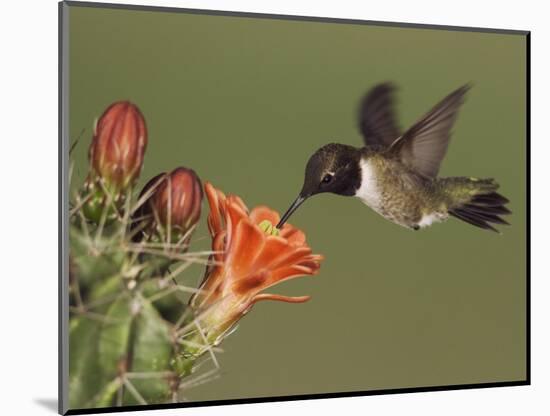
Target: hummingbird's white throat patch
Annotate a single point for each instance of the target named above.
(369, 191)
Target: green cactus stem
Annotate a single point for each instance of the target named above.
(127, 306)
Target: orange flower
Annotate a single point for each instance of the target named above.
(249, 257)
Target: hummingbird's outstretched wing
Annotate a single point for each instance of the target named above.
(376, 116)
(423, 146)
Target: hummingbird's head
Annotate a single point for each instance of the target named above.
(333, 168)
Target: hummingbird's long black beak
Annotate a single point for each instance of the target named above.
(297, 202)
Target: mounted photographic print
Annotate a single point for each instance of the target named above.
(261, 208)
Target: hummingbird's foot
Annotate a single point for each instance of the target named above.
(416, 227)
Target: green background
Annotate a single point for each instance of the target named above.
(245, 101)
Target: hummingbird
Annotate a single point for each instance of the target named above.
(396, 174)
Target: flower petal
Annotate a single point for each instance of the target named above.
(288, 273)
(262, 213)
(293, 270)
(215, 216)
(250, 284)
(275, 249)
(311, 262)
(236, 199)
(289, 299)
(293, 235)
(218, 246)
(247, 244)
(294, 256)
(233, 215)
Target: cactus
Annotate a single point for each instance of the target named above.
(126, 304)
(137, 334)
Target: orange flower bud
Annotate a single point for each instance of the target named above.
(174, 204)
(118, 145)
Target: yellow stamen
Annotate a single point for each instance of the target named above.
(268, 228)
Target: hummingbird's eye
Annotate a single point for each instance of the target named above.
(327, 178)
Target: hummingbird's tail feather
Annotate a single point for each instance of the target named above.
(483, 207)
